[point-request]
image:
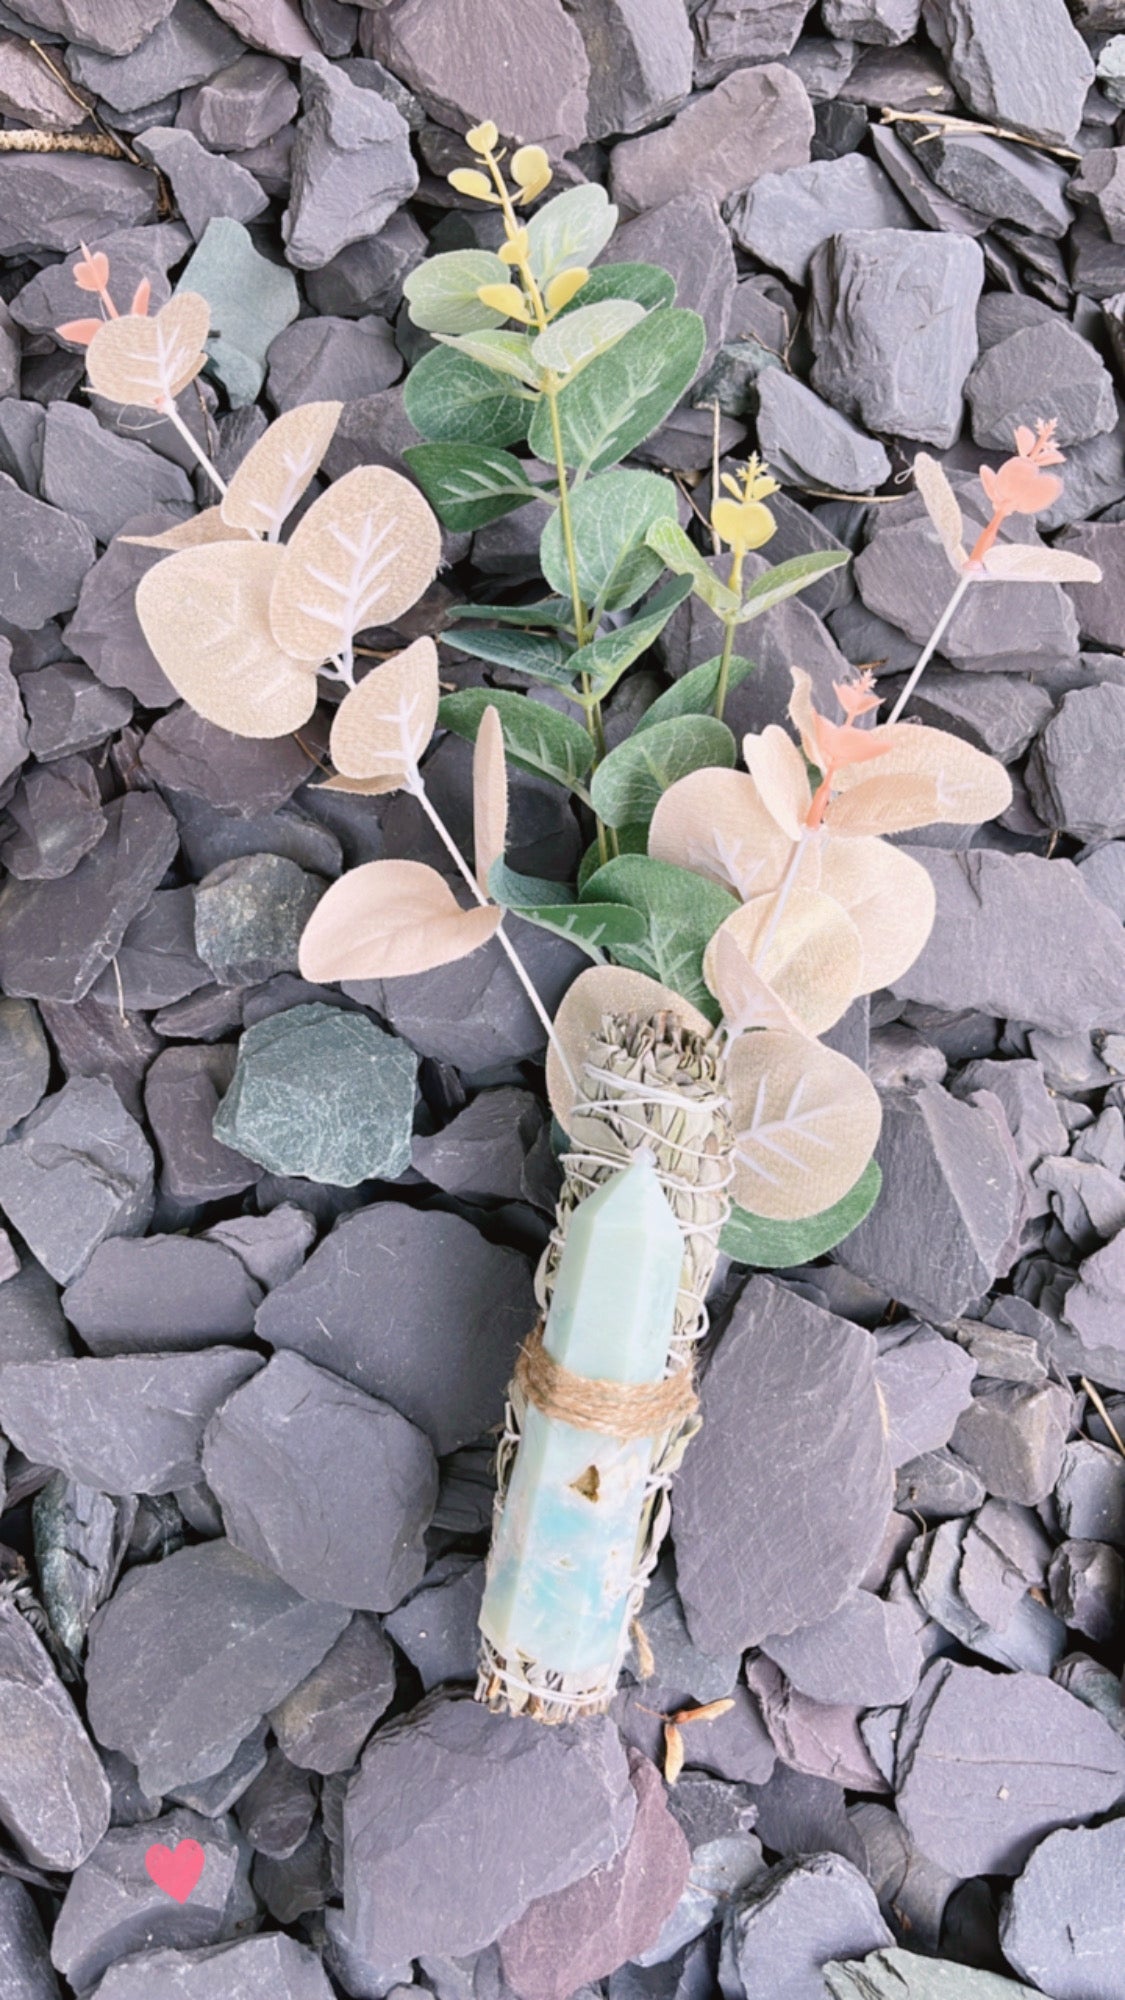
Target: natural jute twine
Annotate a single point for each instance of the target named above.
(623, 1410)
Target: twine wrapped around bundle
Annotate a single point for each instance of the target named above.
(647, 1085)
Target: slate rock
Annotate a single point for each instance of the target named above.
(808, 443)
(105, 630)
(324, 1723)
(435, 48)
(783, 217)
(759, 120)
(54, 1798)
(1013, 1434)
(996, 712)
(640, 54)
(323, 1094)
(490, 1148)
(1048, 365)
(1091, 1311)
(925, 1382)
(273, 1967)
(984, 1581)
(1071, 773)
(903, 1975)
(352, 165)
(24, 1962)
(367, 277)
(128, 1424)
(25, 1060)
(989, 1763)
(892, 328)
(326, 1486)
(52, 296)
(950, 1159)
(185, 48)
(271, 1247)
(884, 22)
(46, 553)
(1018, 937)
(190, 1653)
(251, 301)
(218, 1793)
(1023, 66)
(911, 1891)
(275, 26)
(734, 32)
(184, 754)
(104, 480)
(56, 936)
(1053, 1927)
(113, 1908)
(459, 1819)
(249, 916)
(76, 1171)
(687, 237)
(53, 201)
(13, 721)
(574, 1937)
(821, 1739)
(416, 1309)
(824, 1499)
(277, 1809)
(785, 1926)
(866, 1651)
(1090, 1492)
(56, 818)
(101, 1042)
(182, 1092)
(156, 963)
(161, 1293)
(436, 1627)
(32, 1327)
(329, 359)
(204, 185)
(242, 106)
(1088, 1589)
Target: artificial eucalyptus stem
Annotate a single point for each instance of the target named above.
(170, 411)
(927, 653)
(730, 619)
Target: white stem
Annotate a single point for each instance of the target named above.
(927, 653)
(169, 410)
(783, 895)
(418, 790)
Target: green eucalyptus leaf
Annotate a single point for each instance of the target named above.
(668, 540)
(609, 518)
(627, 839)
(536, 738)
(646, 283)
(607, 658)
(548, 611)
(751, 1239)
(572, 229)
(442, 293)
(786, 580)
(536, 654)
(623, 395)
(452, 399)
(597, 927)
(695, 693)
(628, 784)
(505, 352)
(469, 485)
(682, 912)
(568, 344)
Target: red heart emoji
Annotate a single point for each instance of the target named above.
(177, 1869)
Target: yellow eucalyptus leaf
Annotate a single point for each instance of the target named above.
(562, 289)
(483, 137)
(469, 180)
(758, 523)
(505, 299)
(516, 249)
(531, 171)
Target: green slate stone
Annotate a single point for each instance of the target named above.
(251, 301)
(322, 1094)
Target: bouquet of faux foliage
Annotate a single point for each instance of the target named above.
(731, 915)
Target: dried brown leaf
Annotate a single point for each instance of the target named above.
(602, 990)
(362, 555)
(778, 769)
(490, 796)
(387, 919)
(889, 898)
(813, 961)
(383, 725)
(205, 613)
(199, 532)
(673, 1753)
(275, 471)
(135, 359)
(940, 502)
(714, 823)
(710, 1711)
(1020, 562)
(806, 1121)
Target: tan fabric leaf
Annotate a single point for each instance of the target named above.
(969, 785)
(490, 796)
(806, 1121)
(275, 471)
(362, 555)
(714, 823)
(889, 898)
(606, 989)
(364, 788)
(1020, 562)
(885, 805)
(148, 361)
(205, 613)
(778, 769)
(940, 503)
(389, 918)
(199, 532)
(802, 714)
(814, 958)
(742, 993)
(384, 723)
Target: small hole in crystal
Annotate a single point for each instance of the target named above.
(587, 1483)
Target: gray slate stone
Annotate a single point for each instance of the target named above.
(787, 1924)
(242, 106)
(54, 1797)
(184, 754)
(352, 165)
(25, 1060)
(95, 1041)
(52, 296)
(187, 47)
(733, 32)
(32, 1327)
(272, 1247)
(436, 1627)
(640, 54)
(156, 962)
(25, 1966)
(1088, 1589)
(998, 713)
(1057, 1927)
(947, 1161)
(925, 1382)
(277, 1809)
(808, 443)
(459, 1819)
(806, 1515)
(326, 1720)
(204, 185)
(1013, 1434)
(78, 1170)
(1001, 181)
(866, 1652)
(1016, 64)
(251, 301)
(687, 237)
(758, 120)
(493, 1147)
(326, 359)
(182, 1092)
(1021, 938)
(989, 1763)
(1073, 772)
(274, 1967)
(1042, 367)
(903, 1975)
(105, 630)
(67, 709)
(189, 1654)
(46, 553)
(414, 1308)
(128, 1424)
(783, 217)
(323, 1484)
(55, 201)
(57, 817)
(893, 330)
(540, 92)
(56, 936)
(884, 22)
(13, 721)
(104, 480)
(366, 277)
(85, 21)
(323, 1094)
(113, 1908)
(161, 1294)
(249, 916)
(1099, 605)
(1090, 1492)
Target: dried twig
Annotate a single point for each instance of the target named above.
(35, 141)
(1103, 1413)
(944, 121)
